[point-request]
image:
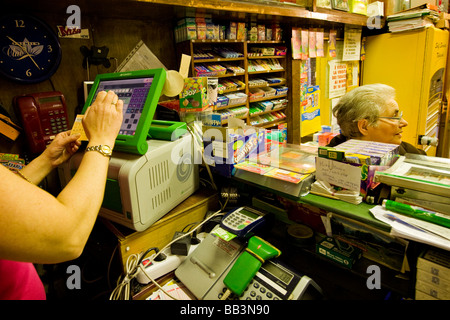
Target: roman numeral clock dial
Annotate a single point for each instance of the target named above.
(29, 49)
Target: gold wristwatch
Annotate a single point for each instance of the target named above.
(103, 149)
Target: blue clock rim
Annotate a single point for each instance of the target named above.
(54, 68)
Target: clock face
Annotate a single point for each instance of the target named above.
(29, 50)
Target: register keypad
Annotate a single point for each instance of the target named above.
(254, 291)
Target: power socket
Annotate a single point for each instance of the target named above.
(180, 247)
(156, 269)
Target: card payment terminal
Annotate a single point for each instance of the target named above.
(243, 221)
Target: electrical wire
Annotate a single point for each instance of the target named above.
(189, 226)
(199, 144)
(208, 169)
(133, 266)
(122, 290)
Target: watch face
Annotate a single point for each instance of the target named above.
(29, 50)
(106, 150)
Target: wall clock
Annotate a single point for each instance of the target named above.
(29, 49)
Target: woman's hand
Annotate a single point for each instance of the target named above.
(103, 119)
(62, 148)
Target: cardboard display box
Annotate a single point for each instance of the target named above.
(225, 147)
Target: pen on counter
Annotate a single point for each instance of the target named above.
(417, 212)
(324, 195)
(396, 219)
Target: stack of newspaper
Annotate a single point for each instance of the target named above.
(419, 180)
(414, 18)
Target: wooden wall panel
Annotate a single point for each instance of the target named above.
(119, 35)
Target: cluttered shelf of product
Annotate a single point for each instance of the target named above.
(305, 257)
(360, 212)
(341, 182)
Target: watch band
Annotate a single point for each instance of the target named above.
(104, 149)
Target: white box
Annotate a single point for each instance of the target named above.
(142, 189)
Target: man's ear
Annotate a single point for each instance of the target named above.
(363, 126)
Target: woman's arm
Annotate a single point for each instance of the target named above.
(60, 150)
(37, 227)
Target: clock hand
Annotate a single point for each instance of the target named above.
(24, 50)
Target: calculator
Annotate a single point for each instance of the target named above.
(243, 221)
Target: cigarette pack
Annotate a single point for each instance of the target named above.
(379, 153)
(339, 251)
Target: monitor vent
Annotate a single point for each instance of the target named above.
(160, 198)
(158, 174)
(158, 177)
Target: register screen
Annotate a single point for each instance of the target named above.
(133, 93)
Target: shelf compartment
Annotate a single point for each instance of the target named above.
(270, 124)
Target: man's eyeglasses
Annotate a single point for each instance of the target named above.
(398, 118)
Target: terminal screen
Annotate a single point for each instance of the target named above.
(133, 93)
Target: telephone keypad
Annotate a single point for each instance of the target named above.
(57, 123)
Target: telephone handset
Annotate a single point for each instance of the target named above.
(43, 116)
(273, 281)
(211, 268)
(203, 272)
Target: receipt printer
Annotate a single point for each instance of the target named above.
(142, 189)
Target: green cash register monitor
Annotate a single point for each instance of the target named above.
(140, 92)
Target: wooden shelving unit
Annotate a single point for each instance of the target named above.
(282, 73)
(287, 14)
(166, 9)
(193, 46)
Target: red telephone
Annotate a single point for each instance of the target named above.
(43, 115)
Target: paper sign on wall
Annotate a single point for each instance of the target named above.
(352, 43)
(338, 79)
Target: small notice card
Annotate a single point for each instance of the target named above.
(339, 174)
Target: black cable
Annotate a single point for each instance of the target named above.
(189, 225)
(147, 252)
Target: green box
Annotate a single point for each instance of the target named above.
(331, 153)
(338, 251)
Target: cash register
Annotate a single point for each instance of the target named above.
(147, 176)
